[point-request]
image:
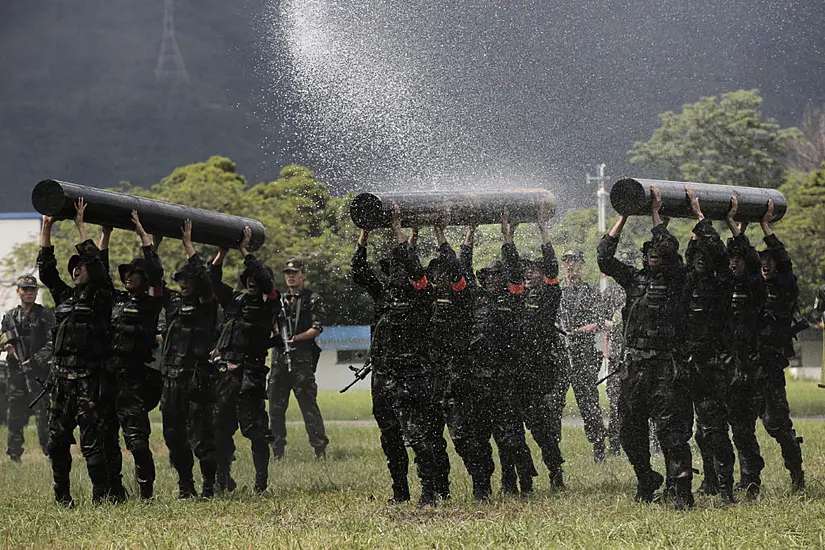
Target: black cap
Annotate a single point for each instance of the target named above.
(295, 264)
(138, 264)
(27, 281)
(575, 254)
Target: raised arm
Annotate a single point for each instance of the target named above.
(222, 290)
(362, 275)
(606, 256)
(656, 204)
(47, 263)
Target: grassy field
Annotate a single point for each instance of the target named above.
(341, 503)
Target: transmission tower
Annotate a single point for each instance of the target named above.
(170, 67)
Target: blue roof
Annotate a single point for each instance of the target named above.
(19, 216)
(345, 338)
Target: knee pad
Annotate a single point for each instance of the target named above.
(138, 446)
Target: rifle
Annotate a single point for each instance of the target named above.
(47, 387)
(360, 374)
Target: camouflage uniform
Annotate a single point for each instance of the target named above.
(128, 376)
(614, 299)
(190, 380)
(242, 347)
(30, 333)
(80, 336)
(654, 380)
(294, 370)
(403, 328)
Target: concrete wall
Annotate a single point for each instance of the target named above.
(14, 231)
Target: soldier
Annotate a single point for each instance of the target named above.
(81, 335)
(653, 381)
(486, 404)
(242, 347)
(775, 347)
(742, 356)
(818, 313)
(381, 381)
(707, 295)
(407, 297)
(580, 315)
(295, 361)
(190, 380)
(25, 333)
(614, 299)
(539, 357)
(133, 340)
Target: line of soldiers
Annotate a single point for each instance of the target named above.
(99, 345)
(490, 352)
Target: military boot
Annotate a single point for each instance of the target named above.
(428, 497)
(62, 494)
(224, 480)
(557, 480)
(646, 486)
(260, 458)
(726, 488)
(481, 489)
(684, 493)
(598, 452)
(101, 491)
(797, 480)
(400, 488)
(750, 483)
(710, 482)
(508, 481)
(209, 471)
(442, 486)
(526, 485)
(186, 485)
(145, 472)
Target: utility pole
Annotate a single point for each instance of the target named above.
(601, 198)
(170, 67)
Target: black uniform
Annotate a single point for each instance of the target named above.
(742, 337)
(706, 300)
(28, 333)
(128, 378)
(190, 380)
(775, 347)
(403, 328)
(244, 342)
(293, 370)
(540, 363)
(654, 381)
(580, 361)
(81, 335)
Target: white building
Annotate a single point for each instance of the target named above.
(15, 228)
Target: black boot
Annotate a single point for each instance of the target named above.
(224, 481)
(63, 495)
(751, 483)
(209, 471)
(598, 451)
(646, 486)
(260, 458)
(145, 472)
(400, 488)
(526, 484)
(684, 493)
(710, 483)
(101, 491)
(557, 480)
(428, 497)
(508, 481)
(797, 480)
(442, 486)
(186, 485)
(726, 488)
(481, 489)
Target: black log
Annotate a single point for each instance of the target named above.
(373, 210)
(57, 198)
(631, 197)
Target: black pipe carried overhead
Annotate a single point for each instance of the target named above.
(631, 197)
(57, 198)
(373, 210)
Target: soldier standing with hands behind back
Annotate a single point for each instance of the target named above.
(293, 365)
(25, 332)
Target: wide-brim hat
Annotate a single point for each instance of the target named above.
(73, 261)
(266, 285)
(138, 264)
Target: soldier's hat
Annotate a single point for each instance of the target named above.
(185, 271)
(295, 264)
(495, 267)
(266, 285)
(138, 264)
(73, 262)
(573, 254)
(27, 281)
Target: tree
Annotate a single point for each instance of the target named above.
(808, 148)
(803, 232)
(718, 140)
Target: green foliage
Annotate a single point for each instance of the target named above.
(803, 231)
(718, 140)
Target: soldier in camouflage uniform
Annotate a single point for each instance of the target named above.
(190, 380)
(81, 335)
(242, 347)
(25, 331)
(613, 299)
(133, 342)
(295, 361)
(407, 296)
(580, 313)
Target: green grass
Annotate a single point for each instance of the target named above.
(341, 503)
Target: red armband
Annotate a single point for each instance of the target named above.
(516, 289)
(460, 285)
(549, 281)
(208, 299)
(155, 291)
(421, 283)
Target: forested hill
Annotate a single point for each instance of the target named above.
(79, 98)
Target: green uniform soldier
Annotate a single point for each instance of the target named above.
(25, 332)
(294, 363)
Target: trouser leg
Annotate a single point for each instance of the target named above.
(392, 440)
(92, 434)
(280, 387)
(134, 421)
(62, 421)
(306, 394)
(776, 417)
(175, 411)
